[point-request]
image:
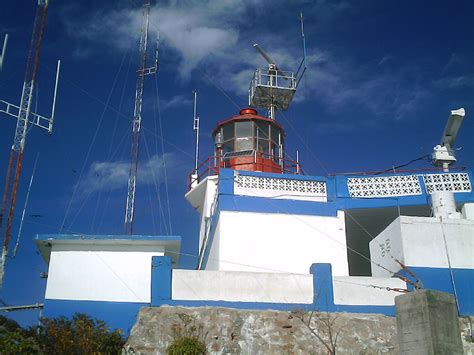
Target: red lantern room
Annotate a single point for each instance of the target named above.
(249, 142)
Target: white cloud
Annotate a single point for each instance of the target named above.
(216, 38)
(176, 101)
(455, 82)
(386, 94)
(114, 175)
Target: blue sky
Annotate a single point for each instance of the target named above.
(381, 81)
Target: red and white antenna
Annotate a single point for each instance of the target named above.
(137, 118)
(24, 117)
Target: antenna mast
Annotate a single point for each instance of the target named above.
(274, 88)
(195, 176)
(5, 41)
(137, 118)
(24, 117)
(196, 128)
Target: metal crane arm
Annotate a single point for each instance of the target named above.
(263, 54)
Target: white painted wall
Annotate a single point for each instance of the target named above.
(114, 276)
(468, 211)
(236, 286)
(360, 290)
(214, 254)
(274, 242)
(202, 198)
(419, 242)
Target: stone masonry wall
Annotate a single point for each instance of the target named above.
(231, 331)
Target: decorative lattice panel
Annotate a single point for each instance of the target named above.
(279, 188)
(384, 186)
(455, 182)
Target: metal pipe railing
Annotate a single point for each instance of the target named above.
(263, 161)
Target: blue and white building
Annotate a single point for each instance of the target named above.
(271, 237)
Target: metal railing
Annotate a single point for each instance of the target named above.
(263, 161)
(273, 78)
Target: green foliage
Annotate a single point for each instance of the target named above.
(188, 337)
(186, 346)
(14, 340)
(79, 335)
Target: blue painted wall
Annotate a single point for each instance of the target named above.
(117, 315)
(338, 197)
(323, 297)
(461, 284)
(123, 315)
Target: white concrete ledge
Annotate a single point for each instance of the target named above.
(359, 290)
(238, 286)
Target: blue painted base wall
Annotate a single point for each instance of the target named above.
(123, 315)
(117, 315)
(440, 279)
(323, 297)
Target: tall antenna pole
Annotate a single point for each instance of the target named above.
(137, 118)
(196, 129)
(5, 41)
(303, 38)
(195, 176)
(17, 243)
(16, 154)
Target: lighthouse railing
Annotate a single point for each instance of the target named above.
(259, 161)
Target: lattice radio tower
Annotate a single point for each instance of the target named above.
(137, 117)
(24, 118)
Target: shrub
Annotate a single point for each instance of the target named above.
(79, 335)
(186, 345)
(188, 337)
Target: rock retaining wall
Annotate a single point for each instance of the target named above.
(231, 331)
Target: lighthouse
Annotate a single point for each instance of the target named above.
(258, 211)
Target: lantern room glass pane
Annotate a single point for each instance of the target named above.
(228, 147)
(274, 134)
(228, 131)
(263, 146)
(263, 130)
(244, 129)
(243, 144)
